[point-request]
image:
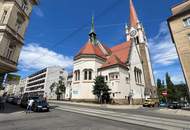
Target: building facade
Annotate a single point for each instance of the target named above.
(38, 84)
(126, 66)
(19, 90)
(179, 24)
(14, 18)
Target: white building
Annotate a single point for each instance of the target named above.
(126, 66)
(38, 84)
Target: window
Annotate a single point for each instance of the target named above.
(90, 75)
(106, 78)
(10, 51)
(19, 22)
(114, 76)
(77, 75)
(24, 5)
(4, 16)
(187, 22)
(87, 74)
(128, 79)
(138, 75)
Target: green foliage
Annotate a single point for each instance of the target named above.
(175, 92)
(60, 87)
(52, 86)
(160, 89)
(170, 89)
(100, 87)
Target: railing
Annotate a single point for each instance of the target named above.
(8, 60)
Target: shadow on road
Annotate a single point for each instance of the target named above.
(9, 108)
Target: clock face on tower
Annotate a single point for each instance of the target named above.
(133, 33)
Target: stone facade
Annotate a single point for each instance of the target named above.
(14, 19)
(179, 24)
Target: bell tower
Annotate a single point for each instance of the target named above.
(135, 31)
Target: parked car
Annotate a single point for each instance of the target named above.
(24, 100)
(10, 99)
(40, 106)
(184, 104)
(151, 102)
(16, 101)
(174, 105)
(163, 104)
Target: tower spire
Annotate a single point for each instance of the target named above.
(92, 33)
(133, 15)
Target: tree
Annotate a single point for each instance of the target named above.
(100, 88)
(52, 86)
(170, 89)
(60, 88)
(160, 89)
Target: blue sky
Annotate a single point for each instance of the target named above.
(59, 28)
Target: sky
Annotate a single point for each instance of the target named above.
(59, 28)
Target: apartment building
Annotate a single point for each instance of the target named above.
(179, 24)
(14, 19)
(38, 84)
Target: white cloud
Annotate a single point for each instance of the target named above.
(35, 57)
(162, 49)
(38, 12)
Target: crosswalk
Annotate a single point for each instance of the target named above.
(148, 121)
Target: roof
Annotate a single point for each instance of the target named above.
(112, 60)
(122, 51)
(133, 15)
(181, 7)
(91, 49)
(118, 54)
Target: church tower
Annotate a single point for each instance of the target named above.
(136, 32)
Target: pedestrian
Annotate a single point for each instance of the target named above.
(29, 107)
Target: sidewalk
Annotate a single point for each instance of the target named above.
(98, 105)
(125, 107)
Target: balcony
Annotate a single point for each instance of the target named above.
(7, 65)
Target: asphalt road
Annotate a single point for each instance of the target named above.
(141, 111)
(16, 119)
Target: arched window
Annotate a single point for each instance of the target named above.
(77, 75)
(85, 74)
(138, 75)
(88, 74)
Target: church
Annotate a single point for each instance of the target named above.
(126, 67)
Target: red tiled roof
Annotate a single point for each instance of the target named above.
(112, 60)
(133, 15)
(91, 49)
(122, 51)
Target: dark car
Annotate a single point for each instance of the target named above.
(10, 99)
(24, 100)
(40, 106)
(174, 105)
(16, 101)
(184, 104)
(163, 104)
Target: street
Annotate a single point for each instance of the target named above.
(16, 119)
